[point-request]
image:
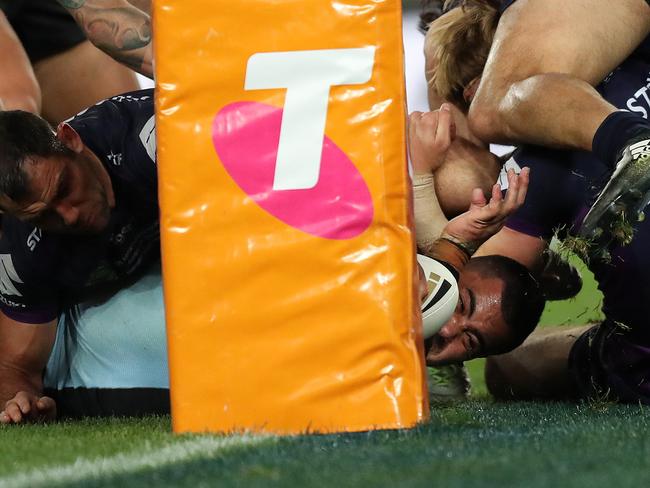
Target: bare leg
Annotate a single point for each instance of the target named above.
(547, 55)
(538, 369)
(78, 78)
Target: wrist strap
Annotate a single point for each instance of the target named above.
(469, 247)
(448, 251)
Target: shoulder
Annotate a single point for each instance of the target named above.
(135, 106)
(120, 131)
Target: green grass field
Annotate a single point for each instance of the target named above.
(477, 443)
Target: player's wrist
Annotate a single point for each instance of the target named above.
(422, 179)
(467, 246)
(448, 252)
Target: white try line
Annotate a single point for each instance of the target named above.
(131, 462)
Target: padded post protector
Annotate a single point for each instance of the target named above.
(288, 259)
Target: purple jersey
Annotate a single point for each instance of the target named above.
(40, 271)
(563, 185)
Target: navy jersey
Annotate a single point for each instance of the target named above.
(42, 271)
(506, 3)
(563, 185)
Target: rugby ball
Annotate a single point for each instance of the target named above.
(442, 295)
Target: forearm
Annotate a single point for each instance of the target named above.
(20, 101)
(524, 249)
(429, 217)
(14, 379)
(19, 89)
(118, 28)
(24, 352)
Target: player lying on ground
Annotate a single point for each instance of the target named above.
(488, 318)
(110, 358)
(524, 72)
(612, 357)
(609, 359)
(80, 217)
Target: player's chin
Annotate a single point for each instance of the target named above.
(96, 222)
(442, 362)
(96, 226)
(443, 357)
(438, 359)
(90, 225)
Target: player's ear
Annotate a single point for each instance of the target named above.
(68, 136)
(470, 90)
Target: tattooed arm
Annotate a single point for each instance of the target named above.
(118, 28)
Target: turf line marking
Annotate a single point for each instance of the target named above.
(129, 462)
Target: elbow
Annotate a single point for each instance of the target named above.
(483, 120)
(29, 102)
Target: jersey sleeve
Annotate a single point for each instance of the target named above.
(25, 292)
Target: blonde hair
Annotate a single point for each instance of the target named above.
(458, 43)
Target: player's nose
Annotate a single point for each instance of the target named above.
(69, 213)
(451, 328)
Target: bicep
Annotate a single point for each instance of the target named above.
(523, 248)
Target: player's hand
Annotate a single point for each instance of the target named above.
(28, 407)
(430, 135)
(484, 219)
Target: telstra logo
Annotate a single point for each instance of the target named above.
(282, 158)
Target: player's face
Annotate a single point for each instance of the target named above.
(477, 327)
(66, 195)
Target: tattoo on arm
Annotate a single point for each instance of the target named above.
(118, 28)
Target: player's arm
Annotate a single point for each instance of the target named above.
(118, 28)
(24, 352)
(523, 248)
(484, 218)
(19, 89)
(429, 137)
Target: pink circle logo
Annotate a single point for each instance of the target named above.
(246, 137)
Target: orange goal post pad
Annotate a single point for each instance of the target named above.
(288, 256)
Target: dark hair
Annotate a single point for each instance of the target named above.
(522, 300)
(431, 10)
(23, 135)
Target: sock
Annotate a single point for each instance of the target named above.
(613, 134)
